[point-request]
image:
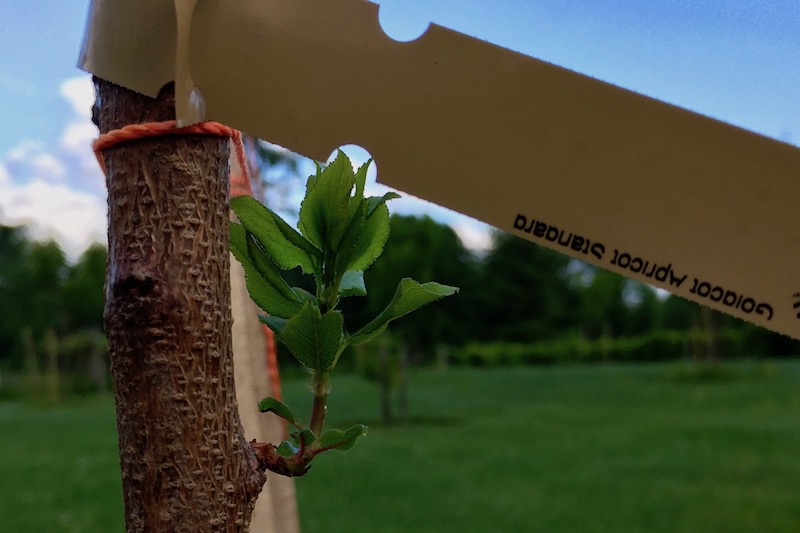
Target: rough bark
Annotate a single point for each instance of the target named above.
(185, 463)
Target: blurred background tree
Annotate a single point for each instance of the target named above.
(52, 313)
(527, 293)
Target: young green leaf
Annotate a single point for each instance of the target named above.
(264, 293)
(283, 243)
(323, 212)
(361, 180)
(356, 213)
(351, 236)
(370, 246)
(355, 200)
(336, 439)
(304, 295)
(271, 405)
(314, 339)
(287, 449)
(274, 323)
(376, 201)
(304, 437)
(352, 284)
(268, 270)
(409, 296)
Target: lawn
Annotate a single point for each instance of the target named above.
(59, 468)
(593, 448)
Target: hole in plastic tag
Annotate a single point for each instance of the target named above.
(400, 23)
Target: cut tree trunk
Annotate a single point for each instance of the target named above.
(186, 465)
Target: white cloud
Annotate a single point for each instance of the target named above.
(74, 165)
(55, 211)
(77, 137)
(75, 142)
(57, 189)
(475, 235)
(24, 151)
(79, 92)
(48, 165)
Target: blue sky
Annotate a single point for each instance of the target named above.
(734, 60)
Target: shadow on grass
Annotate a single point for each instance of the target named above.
(717, 372)
(410, 422)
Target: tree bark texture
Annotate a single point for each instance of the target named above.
(186, 465)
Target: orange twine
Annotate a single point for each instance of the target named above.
(134, 132)
(240, 185)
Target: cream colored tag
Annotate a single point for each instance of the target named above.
(662, 195)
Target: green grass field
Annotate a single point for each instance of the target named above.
(593, 448)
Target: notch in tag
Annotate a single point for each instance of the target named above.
(395, 23)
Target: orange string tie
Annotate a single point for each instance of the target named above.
(133, 132)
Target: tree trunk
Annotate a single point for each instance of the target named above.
(185, 463)
(52, 388)
(33, 380)
(442, 357)
(97, 362)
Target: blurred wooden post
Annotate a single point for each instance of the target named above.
(402, 380)
(32, 377)
(276, 507)
(442, 356)
(384, 379)
(98, 369)
(52, 378)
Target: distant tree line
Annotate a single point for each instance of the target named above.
(52, 314)
(519, 302)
